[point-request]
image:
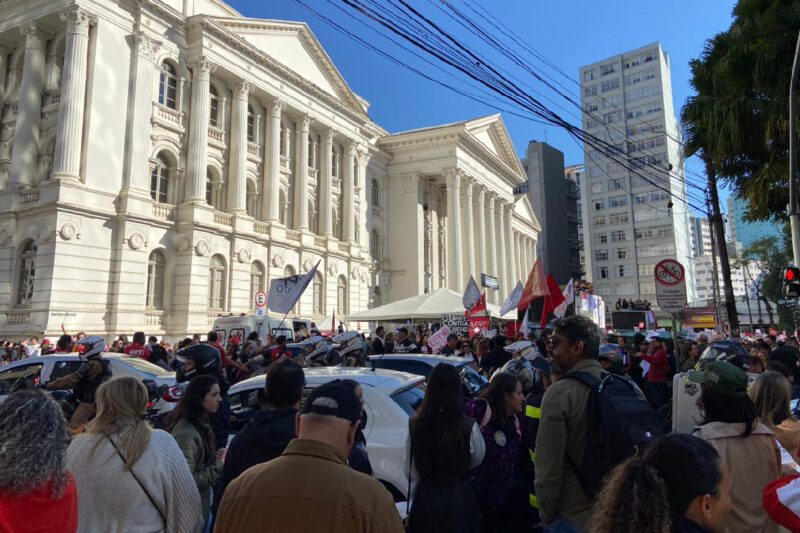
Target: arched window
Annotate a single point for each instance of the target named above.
(159, 179)
(27, 273)
(214, 107)
(256, 279)
(376, 194)
(341, 296)
(216, 283)
(251, 198)
(375, 246)
(155, 280)
(168, 86)
(282, 207)
(251, 124)
(319, 305)
(210, 188)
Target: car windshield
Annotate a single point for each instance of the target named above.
(144, 366)
(410, 399)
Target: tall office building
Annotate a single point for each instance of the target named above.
(701, 236)
(748, 232)
(627, 102)
(576, 174)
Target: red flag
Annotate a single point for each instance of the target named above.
(333, 323)
(479, 307)
(552, 299)
(535, 286)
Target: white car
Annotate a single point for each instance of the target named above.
(390, 398)
(422, 364)
(30, 372)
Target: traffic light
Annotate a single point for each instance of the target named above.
(790, 277)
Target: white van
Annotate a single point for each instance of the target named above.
(241, 326)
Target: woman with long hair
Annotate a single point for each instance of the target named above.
(771, 393)
(443, 446)
(498, 412)
(190, 426)
(131, 477)
(37, 492)
(746, 447)
(679, 485)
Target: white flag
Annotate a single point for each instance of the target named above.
(472, 295)
(569, 297)
(285, 292)
(523, 327)
(513, 299)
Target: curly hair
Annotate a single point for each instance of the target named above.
(33, 443)
(579, 328)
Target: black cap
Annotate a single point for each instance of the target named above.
(333, 399)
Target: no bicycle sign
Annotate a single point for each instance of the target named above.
(670, 285)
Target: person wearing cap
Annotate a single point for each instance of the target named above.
(310, 487)
(450, 347)
(658, 373)
(404, 344)
(747, 447)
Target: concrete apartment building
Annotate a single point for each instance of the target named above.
(627, 102)
(747, 232)
(701, 236)
(555, 201)
(576, 174)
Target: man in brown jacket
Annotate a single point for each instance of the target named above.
(310, 487)
(563, 430)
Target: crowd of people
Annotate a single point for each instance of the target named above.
(527, 453)
(632, 305)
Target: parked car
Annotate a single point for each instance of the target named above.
(28, 373)
(422, 364)
(390, 399)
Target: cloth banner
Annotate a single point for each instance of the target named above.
(472, 295)
(438, 339)
(477, 324)
(513, 299)
(285, 292)
(535, 286)
(569, 298)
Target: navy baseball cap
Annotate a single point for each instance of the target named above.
(333, 399)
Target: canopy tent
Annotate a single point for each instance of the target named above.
(428, 306)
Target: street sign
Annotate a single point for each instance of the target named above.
(261, 299)
(670, 285)
(260, 312)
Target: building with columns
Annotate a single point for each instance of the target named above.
(163, 160)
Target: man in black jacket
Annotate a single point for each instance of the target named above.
(497, 356)
(269, 432)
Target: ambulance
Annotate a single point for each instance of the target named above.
(240, 326)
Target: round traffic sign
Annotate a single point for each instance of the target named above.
(261, 299)
(669, 272)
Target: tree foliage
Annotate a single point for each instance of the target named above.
(767, 255)
(739, 119)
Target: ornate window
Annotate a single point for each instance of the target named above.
(375, 246)
(337, 225)
(356, 230)
(27, 273)
(282, 211)
(312, 218)
(256, 279)
(155, 280)
(216, 283)
(341, 296)
(251, 124)
(159, 179)
(168, 86)
(319, 307)
(214, 108)
(376, 194)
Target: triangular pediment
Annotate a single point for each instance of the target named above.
(293, 45)
(492, 133)
(524, 210)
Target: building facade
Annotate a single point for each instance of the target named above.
(634, 187)
(576, 174)
(555, 201)
(162, 161)
(744, 232)
(701, 236)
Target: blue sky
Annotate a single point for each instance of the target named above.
(568, 34)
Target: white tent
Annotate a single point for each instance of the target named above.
(429, 306)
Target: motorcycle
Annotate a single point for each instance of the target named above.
(68, 402)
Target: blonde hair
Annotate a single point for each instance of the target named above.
(771, 393)
(121, 402)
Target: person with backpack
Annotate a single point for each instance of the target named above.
(591, 421)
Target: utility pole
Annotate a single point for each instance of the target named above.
(747, 298)
(715, 281)
(794, 207)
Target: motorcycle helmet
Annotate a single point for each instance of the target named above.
(351, 341)
(726, 350)
(524, 349)
(613, 354)
(206, 361)
(94, 345)
(520, 368)
(314, 346)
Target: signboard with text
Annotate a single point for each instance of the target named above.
(670, 285)
(458, 324)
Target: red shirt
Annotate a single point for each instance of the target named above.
(277, 353)
(138, 350)
(40, 511)
(222, 355)
(659, 366)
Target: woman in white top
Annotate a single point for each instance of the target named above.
(130, 477)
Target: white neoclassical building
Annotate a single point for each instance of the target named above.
(163, 160)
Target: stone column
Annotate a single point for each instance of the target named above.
(454, 272)
(468, 238)
(24, 155)
(197, 160)
(362, 159)
(348, 205)
(272, 164)
(502, 258)
(237, 164)
(301, 174)
(491, 238)
(69, 133)
(326, 184)
(481, 231)
(521, 264)
(511, 263)
(4, 53)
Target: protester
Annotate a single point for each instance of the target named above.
(310, 487)
(658, 374)
(189, 425)
(771, 393)
(702, 343)
(679, 485)
(376, 346)
(204, 359)
(268, 433)
(404, 344)
(358, 459)
(563, 429)
(745, 446)
(689, 356)
(497, 356)
(37, 492)
(450, 346)
(131, 477)
(158, 355)
(138, 348)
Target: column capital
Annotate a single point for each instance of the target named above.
(350, 145)
(242, 89)
(201, 65)
(410, 183)
(33, 34)
(453, 177)
(467, 186)
(304, 121)
(145, 46)
(480, 192)
(276, 106)
(327, 136)
(78, 20)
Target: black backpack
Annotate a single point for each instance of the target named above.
(621, 424)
